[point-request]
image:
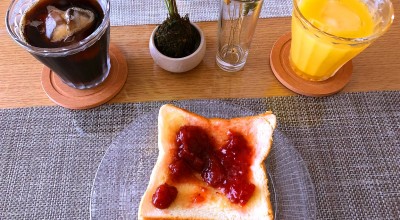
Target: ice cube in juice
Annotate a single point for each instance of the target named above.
(316, 56)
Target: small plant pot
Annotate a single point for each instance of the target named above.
(178, 65)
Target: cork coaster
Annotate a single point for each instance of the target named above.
(279, 59)
(71, 98)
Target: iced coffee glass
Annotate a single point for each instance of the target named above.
(326, 34)
(71, 37)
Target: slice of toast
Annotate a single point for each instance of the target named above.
(196, 199)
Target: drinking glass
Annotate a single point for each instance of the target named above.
(236, 25)
(81, 65)
(326, 34)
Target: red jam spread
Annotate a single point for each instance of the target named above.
(226, 168)
(235, 158)
(164, 196)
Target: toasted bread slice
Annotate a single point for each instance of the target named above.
(213, 204)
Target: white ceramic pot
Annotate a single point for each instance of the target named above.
(178, 65)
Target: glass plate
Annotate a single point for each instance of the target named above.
(124, 171)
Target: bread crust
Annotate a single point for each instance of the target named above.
(258, 129)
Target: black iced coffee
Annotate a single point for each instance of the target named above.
(67, 25)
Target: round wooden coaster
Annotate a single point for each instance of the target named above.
(279, 59)
(71, 98)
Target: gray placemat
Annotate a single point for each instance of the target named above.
(138, 12)
(349, 143)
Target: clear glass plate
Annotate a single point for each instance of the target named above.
(124, 171)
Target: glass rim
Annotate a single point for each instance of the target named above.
(358, 40)
(60, 51)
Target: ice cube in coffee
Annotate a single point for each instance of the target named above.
(70, 25)
(64, 25)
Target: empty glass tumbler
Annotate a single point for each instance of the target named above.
(236, 27)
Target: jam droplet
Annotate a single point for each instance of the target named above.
(164, 196)
(198, 198)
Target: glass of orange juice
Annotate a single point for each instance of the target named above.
(326, 34)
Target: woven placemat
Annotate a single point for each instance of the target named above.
(349, 143)
(138, 12)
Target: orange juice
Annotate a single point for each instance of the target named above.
(325, 35)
